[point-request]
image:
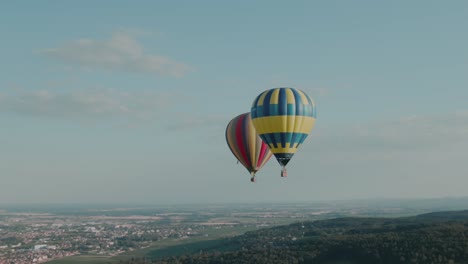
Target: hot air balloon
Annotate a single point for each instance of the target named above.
(246, 145)
(283, 117)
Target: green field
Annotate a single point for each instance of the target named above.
(86, 259)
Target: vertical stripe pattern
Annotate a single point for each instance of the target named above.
(245, 144)
(283, 117)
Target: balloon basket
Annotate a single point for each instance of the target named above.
(284, 173)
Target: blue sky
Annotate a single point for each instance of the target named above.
(128, 101)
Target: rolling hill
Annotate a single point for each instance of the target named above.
(440, 237)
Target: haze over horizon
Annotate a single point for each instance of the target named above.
(129, 102)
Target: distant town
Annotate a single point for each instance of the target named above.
(40, 235)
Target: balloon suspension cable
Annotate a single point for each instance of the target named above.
(284, 172)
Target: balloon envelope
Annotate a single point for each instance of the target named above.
(245, 144)
(283, 117)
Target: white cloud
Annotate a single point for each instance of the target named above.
(85, 104)
(122, 52)
(192, 121)
(413, 133)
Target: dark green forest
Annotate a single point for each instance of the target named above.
(440, 237)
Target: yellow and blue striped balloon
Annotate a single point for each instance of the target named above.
(283, 118)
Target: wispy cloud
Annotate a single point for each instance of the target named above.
(192, 121)
(122, 52)
(412, 133)
(85, 104)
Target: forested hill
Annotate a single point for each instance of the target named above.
(440, 237)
